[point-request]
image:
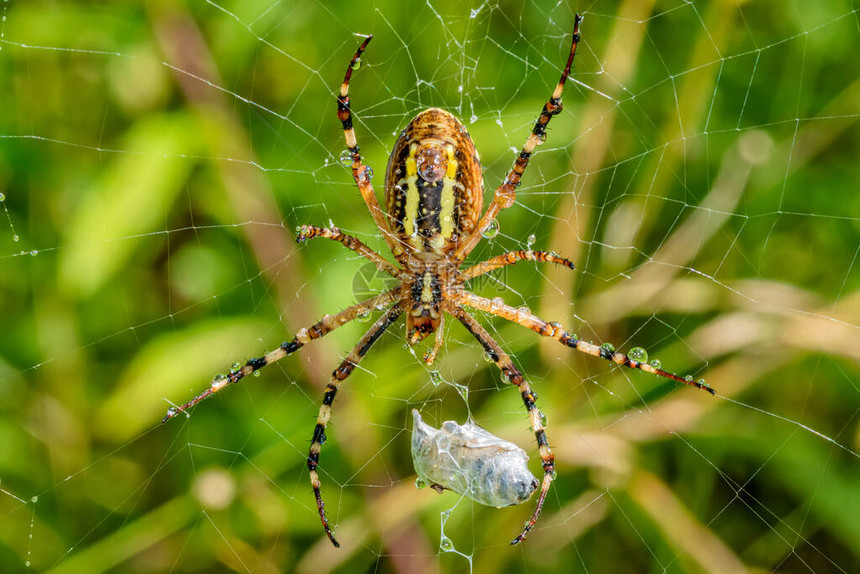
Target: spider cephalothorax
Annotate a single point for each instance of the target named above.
(434, 196)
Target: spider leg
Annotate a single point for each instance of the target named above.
(360, 172)
(509, 259)
(512, 375)
(337, 377)
(557, 332)
(437, 343)
(505, 194)
(310, 232)
(305, 335)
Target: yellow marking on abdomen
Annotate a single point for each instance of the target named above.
(446, 210)
(410, 212)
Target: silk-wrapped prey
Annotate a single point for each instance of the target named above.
(471, 461)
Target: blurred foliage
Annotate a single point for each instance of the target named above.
(156, 156)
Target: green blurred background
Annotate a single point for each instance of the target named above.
(156, 156)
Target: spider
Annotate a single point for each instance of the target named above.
(434, 199)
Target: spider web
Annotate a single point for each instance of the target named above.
(155, 159)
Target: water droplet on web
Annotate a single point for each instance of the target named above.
(236, 366)
(460, 88)
(256, 373)
(530, 240)
(488, 357)
(364, 317)
(419, 484)
(656, 363)
(432, 164)
(34, 499)
(473, 119)
(357, 64)
(34, 253)
(445, 544)
(638, 354)
(15, 238)
(345, 158)
(492, 230)
(689, 378)
(27, 563)
(702, 383)
(543, 418)
(436, 378)
(608, 347)
(368, 173)
(2, 197)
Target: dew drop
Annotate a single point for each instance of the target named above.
(27, 563)
(2, 197)
(488, 357)
(656, 363)
(543, 418)
(345, 158)
(703, 383)
(15, 238)
(368, 173)
(364, 317)
(171, 412)
(530, 240)
(256, 373)
(523, 312)
(419, 484)
(689, 378)
(473, 119)
(638, 354)
(608, 347)
(492, 230)
(236, 366)
(431, 164)
(497, 303)
(357, 64)
(445, 544)
(34, 499)
(34, 253)
(436, 378)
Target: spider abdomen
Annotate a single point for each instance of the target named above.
(434, 184)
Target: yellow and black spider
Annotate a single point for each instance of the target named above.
(434, 197)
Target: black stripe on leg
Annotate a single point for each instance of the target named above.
(379, 329)
(291, 346)
(257, 363)
(319, 434)
(330, 392)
